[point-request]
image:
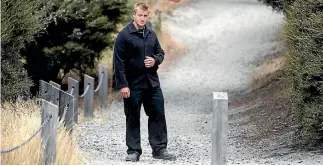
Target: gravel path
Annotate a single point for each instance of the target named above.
(223, 38)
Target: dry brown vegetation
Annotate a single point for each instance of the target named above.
(266, 73)
(173, 49)
(18, 122)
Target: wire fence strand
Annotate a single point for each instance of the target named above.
(72, 91)
(87, 88)
(63, 117)
(58, 125)
(41, 127)
(66, 105)
(29, 139)
(100, 83)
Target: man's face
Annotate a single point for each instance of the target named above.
(140, 17)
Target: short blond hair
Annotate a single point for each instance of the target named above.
(143, 6)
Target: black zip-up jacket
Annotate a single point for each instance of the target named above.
(130, 50)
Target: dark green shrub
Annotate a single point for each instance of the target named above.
(19, 21)
(303, 37)
(76, 32)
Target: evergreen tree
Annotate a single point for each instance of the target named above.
(19, 21)
(76, 32)
(280, 5)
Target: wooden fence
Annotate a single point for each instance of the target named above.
(59, 105)
(62, 106)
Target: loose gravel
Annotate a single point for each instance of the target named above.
(224, 37)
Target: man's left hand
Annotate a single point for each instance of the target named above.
(149, 62)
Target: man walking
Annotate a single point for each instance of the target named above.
(137, 54)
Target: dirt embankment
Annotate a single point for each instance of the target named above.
(173, 49)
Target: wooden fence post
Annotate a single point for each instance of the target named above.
(88, 97)
(55, 84)
(72, 83)
(49, 92)
(103, 91)
(219, 128)
(49, 132)
(66, 100)
(61, 103)
(45, 90)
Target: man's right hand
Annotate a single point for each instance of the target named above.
(125, 92)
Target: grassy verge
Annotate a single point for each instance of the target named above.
(18, 122)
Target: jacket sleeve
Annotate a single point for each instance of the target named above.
(159, 53)
(118, 61)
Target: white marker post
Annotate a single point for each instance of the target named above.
(219, 128)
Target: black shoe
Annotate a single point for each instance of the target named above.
(165, 155)
(134, 157)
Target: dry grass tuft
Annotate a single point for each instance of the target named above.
(266, 73)
(18, 122)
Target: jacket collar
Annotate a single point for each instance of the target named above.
(133, 29)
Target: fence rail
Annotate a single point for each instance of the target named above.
(62, 106)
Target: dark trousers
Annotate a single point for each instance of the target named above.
(153, 102)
